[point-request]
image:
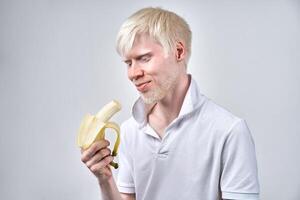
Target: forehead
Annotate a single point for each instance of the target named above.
(143, 44)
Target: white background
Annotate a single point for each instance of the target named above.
(58, 62)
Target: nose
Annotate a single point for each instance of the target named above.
(135, 71)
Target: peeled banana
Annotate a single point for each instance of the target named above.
(92, 128)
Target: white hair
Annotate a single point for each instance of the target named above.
(165, 27)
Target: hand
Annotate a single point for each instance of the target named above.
(97, 158)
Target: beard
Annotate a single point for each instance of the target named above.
(163, 88)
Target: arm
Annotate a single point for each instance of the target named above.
(97, 159)
(239, 178)
(128, 196)
(110, 191)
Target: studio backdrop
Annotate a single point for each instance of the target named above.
(58, 62)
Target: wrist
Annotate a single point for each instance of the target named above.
(105, 181)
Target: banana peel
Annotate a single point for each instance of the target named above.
(92, 128)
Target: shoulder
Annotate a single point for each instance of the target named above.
(219, 118)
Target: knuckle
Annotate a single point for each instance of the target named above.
(95, 147)
(94, 168)
(88, 164)
(98, 145)
(83, 159)
(108, 159)
(104, 152)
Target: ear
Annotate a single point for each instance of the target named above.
(180, 51)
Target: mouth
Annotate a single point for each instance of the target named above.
(142, 87)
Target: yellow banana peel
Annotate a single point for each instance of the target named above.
(92, 128)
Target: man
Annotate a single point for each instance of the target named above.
(178, 144)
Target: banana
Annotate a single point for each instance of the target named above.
(92, 128)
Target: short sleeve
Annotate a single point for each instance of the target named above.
(125, 182)
(239, 178)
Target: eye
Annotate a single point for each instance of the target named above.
(128, 63)
(145, 58)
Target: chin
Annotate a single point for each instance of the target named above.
(149, 100)
(152, 96)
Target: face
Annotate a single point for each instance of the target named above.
(153, 72)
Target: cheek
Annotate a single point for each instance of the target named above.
(159, 69)
(156, 67)
(129, 74)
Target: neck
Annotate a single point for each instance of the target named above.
(169, 107)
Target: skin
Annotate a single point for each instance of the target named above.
(166, 83)
(165, 76)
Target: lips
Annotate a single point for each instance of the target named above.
(142, 87)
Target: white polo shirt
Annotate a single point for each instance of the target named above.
(206, 153)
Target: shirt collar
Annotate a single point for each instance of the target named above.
(192, 100)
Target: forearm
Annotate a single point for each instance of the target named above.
(109, 190)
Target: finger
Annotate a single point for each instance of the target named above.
(98, 167)
(88, 153)
(98, 156)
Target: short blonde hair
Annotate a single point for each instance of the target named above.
(165, 27)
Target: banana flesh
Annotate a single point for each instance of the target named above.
(92, 128)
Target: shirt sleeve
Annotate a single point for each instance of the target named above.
(125, 181)
(239, 178)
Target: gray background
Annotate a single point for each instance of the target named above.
(58, 62)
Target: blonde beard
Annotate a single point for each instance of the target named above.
(156, 94)
(153, 96)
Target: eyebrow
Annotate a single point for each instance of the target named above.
(139, 56)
